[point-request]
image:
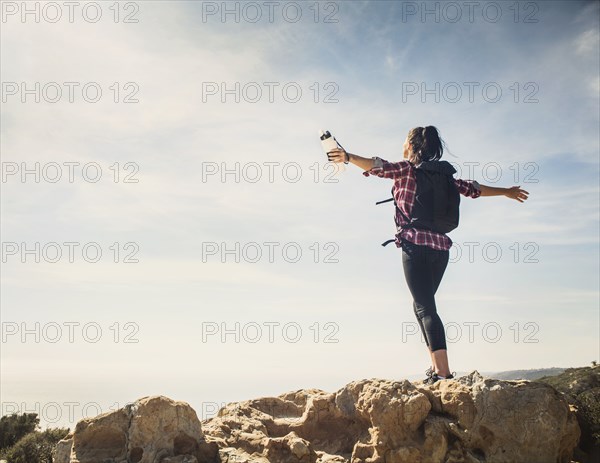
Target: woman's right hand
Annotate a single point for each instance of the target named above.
(338, 155)
(517, 193)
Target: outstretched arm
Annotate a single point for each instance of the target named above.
(514, 192)
(339, 155)
(371, 166)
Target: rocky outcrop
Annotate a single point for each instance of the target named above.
(472, 419)
(153, 429)
(382, 421)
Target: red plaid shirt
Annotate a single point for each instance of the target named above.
(405, 187)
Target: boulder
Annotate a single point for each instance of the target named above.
(151, 430)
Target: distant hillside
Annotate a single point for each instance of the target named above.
(531, 375)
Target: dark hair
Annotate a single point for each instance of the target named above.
(426, 144)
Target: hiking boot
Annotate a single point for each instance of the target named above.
(434, 377)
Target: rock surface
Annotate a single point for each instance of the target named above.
(581, 389)
(472, 419)
(153, 429)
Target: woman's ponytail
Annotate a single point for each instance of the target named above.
(426, 144)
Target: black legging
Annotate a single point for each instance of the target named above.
(423, 270)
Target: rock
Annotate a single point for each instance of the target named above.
(581, 389)
(180, 459)
(507, 420)
(471, 419)
(151, 430)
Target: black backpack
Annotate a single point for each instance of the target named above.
(437, 199)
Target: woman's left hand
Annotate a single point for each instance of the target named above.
(515, 192)
(337, 155)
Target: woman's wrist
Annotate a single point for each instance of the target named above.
(493, 190)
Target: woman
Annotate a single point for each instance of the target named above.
(425, 253)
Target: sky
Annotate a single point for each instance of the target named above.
(171, 225)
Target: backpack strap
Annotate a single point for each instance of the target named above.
(403, 215)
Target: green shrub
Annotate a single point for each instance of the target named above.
(35, 447)
(14, 427)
